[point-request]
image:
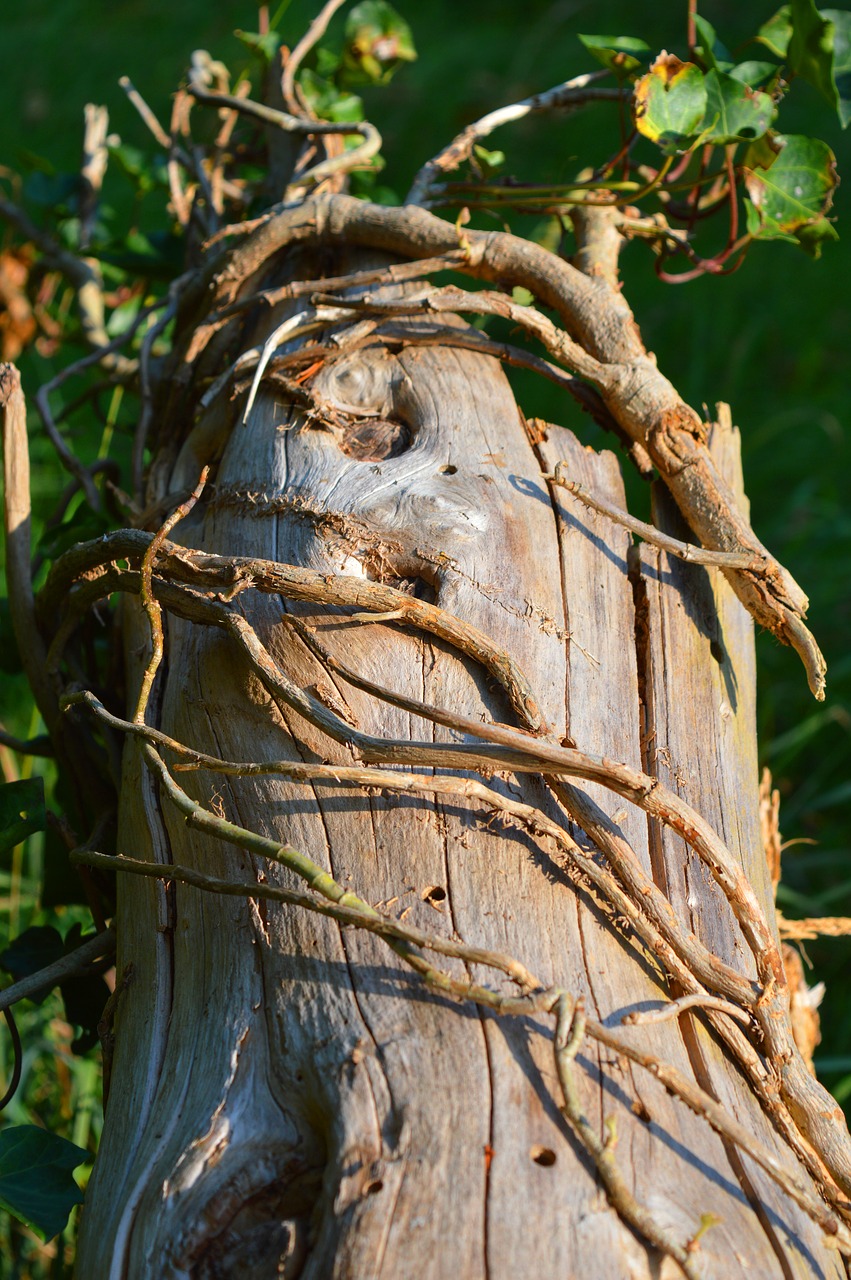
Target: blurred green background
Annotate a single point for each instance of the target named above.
(772, 340)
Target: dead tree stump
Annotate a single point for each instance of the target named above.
(293, 1100)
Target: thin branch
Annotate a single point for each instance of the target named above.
(681, 953)
(314, 33)
(140, 438)
(437, 301)
(347, 161)
(40, 746)
(149, 601)
(674, 1008)
(17, 521)
(640, 398)
(812, 927)
(128, 369)
(95, 159)
(649, 532)
(18, 1055)
(283, 120)
(145, 112)
(352, 916)
(570, 1031)
(569, 95)
(73, 965)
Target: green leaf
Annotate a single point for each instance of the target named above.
(35, 1177)
(329, 102)
(265, 44)
(61, 883)
(754, 73)
(617, 53)
(734, 111)
(841, 20)
(378, 41)
(489, 160)
(57, 191)
(130, 160)
(790, 183)
(122, 316)
(762, 227)
(82, 525)
(669, 103)
(328, 61)
(777, 32)
(84, 997)
(21, 811)
(810, 51)
(32, 951)
(711, 51)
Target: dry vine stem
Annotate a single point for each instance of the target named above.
(260, 679)
(600, 332)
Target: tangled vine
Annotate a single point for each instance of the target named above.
(194, 392)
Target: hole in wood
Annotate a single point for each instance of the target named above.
(373, 1188)
(448, 470)
(374, 439)
(543, 1155)
(416, 587)
(434, 895)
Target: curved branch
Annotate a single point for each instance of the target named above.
(569, 95)
(597, 317)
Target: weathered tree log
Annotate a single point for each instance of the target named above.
(287, 1098)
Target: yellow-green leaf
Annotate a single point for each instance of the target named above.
(669, 103)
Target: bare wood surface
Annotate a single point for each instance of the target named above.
(700, 738)
(367, 1102)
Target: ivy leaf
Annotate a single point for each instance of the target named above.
(817, 45)
(617, 53)
(21, 811)
(711, 51)
(32, 951)
(35, 1177)
(264, 44)
(754, 73)
(489, 160)
(57, 191)
(841, 20)
(669, 103)
(84, 996)
(810, 51)
(378, 40)
(83, 525)
(790, 183)
(329, 102)
(734, 111)
(777, 32)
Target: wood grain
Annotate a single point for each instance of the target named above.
(343, 1122)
